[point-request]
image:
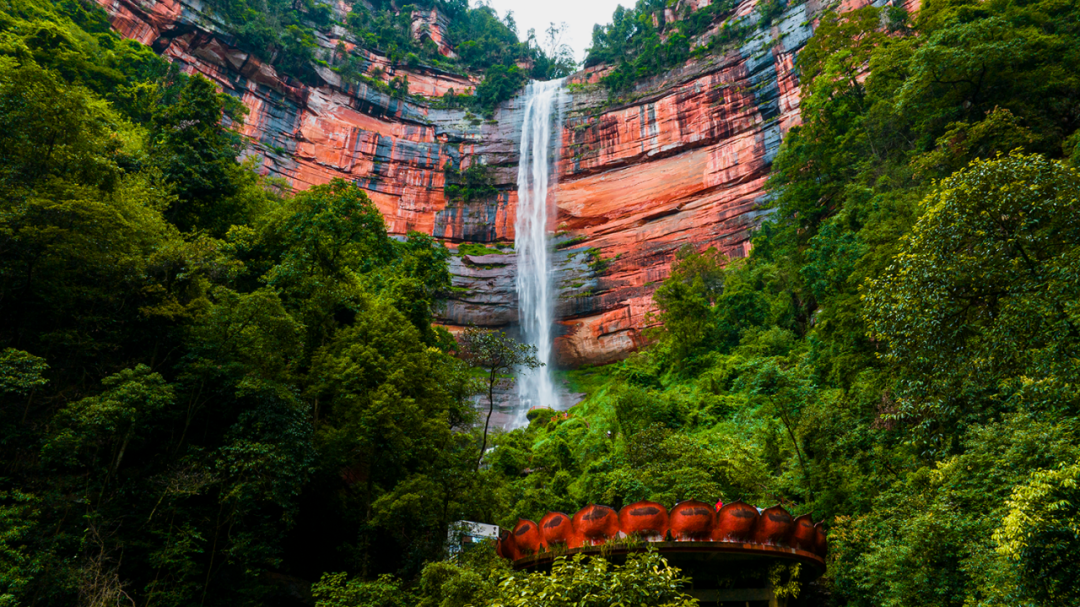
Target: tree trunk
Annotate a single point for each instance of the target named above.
(487, 424)
(798, 451)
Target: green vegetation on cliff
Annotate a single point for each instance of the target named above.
(284, 34)
(639, 42)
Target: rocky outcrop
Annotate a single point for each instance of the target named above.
(309, 135)
(681, 160)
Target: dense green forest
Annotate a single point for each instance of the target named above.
(206, 381)
(215, 391)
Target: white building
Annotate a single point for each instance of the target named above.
(464, 533)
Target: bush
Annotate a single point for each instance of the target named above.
(500, 84)
(336, 590)
(646, 580)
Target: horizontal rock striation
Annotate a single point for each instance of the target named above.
(680, 160)
(684, 162)
(395, 149)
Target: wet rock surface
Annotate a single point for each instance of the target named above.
(507, 404)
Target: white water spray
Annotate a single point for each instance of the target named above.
(541, 138)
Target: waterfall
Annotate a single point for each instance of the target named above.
(536, 181)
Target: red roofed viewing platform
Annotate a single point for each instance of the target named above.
(728, 554)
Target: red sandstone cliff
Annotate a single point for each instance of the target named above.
(683, 161)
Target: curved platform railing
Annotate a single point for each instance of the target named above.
(691, 527)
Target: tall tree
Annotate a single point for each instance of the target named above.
(976, 309)
(496, 354)
(193, 144)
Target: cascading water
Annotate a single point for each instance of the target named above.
(541, 138)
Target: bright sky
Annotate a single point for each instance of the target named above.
(579, 15)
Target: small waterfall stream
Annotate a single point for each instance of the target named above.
(541, 139)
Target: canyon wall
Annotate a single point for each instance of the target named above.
(682, 159)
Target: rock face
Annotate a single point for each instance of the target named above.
(682, 160)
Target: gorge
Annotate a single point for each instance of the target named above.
(680, 159)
